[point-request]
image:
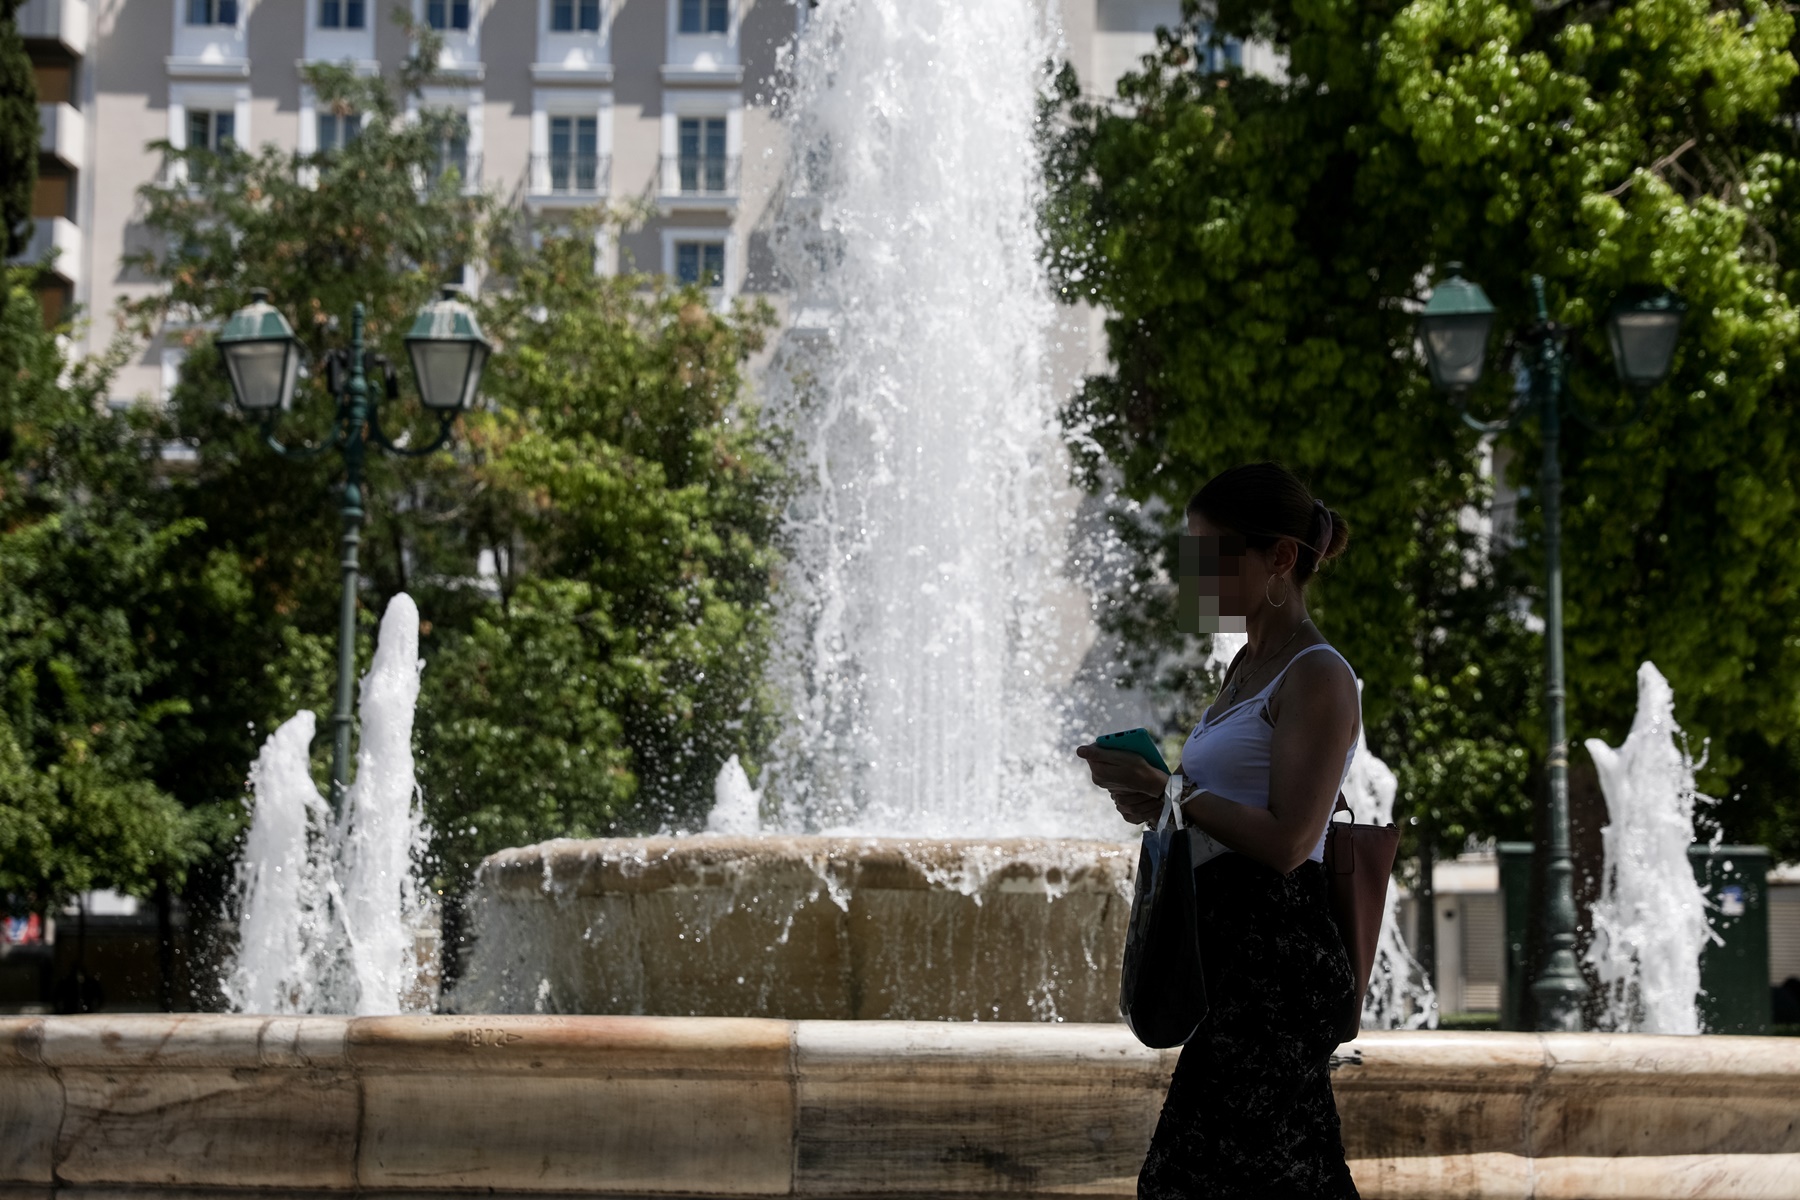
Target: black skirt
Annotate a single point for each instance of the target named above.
(1249, 1111)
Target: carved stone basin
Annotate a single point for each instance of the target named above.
(1005, 929)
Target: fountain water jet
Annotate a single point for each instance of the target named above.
(1650, 921)
(929, 598)
(1400, 994)
(331, 911)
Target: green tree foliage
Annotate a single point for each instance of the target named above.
(639, 495)
(18, 133)
(322, 232)
(616, 481)
(1259, 246)
(85, 564)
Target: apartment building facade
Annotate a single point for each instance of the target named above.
(568, 103)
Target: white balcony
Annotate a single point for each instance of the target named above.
(209, 51)
(699, 181)
(568, 180)
(54, 233)
(62, 133)
(64, 22)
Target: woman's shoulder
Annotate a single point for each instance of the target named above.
(1321, 666)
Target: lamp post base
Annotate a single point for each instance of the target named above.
(1559, 998)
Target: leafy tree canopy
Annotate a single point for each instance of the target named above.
(85, 553)
(591, 560)
(18, 133)
(1260, 246)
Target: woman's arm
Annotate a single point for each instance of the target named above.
(1314, 730)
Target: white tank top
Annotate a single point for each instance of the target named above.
(1229, 756)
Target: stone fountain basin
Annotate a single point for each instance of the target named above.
(802, 928)
(226, 1107)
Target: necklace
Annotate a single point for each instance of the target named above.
(1231, 698)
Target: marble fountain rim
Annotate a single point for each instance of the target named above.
(584, 866)
(189, 1105)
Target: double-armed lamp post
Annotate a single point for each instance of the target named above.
(262, 357)
(1642, 329)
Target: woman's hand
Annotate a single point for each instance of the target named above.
(1138, 808)
(1135, 785)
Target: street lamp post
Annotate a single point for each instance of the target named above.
(262, 359)
(1641, 328)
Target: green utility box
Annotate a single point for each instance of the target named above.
(1734, 977)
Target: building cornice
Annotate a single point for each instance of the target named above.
(717, 76)
(207, 68)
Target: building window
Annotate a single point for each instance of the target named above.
(701, 154)
(210, 130)
(451, 154)
(574, 154)
(567, 16)
(705, 16)
(337, 130)
(212, 12)
(341, 14)
(1217, 54)
(447, 14)
(700, 263)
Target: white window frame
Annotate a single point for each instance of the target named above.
(703, 57)
(472, 103)
(316, 15)
(353, 46)
(207, 51)
(575, 30)
(183, 7)
(574, 56)
(461, 55)
(706, 10)
(699, 103)
(724, 234)
(207, 97)
(307, 141)
(568, 102)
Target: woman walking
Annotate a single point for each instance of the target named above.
(1249, 1111)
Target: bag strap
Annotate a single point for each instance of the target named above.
(1342, 805)
(1172, 804)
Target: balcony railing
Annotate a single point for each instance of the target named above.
(574, 175)
(468, 167)
(700, 176)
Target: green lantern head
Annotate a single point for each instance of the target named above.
(262, 356)
(448, 353)
(1454, 328)
(1642, 327)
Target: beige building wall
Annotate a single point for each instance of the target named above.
(139, 68)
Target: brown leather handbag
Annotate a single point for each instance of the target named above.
(1358, 861)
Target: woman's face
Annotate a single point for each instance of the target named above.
(1230, 576)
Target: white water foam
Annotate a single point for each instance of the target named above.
(281, 891)
(1400, 994)
(929, 602)
(1650, 921)
(331, 913)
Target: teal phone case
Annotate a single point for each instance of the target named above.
(1139, 742)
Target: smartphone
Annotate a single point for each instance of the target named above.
(1137, 741)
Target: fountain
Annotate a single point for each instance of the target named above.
(1400, 994)
(929, 591)
(331, 915)
(923, 846)
(1650, 920)
(923, 843)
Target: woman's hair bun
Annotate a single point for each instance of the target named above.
(1340, 536)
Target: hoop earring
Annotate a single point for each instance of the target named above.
(1271, 600)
